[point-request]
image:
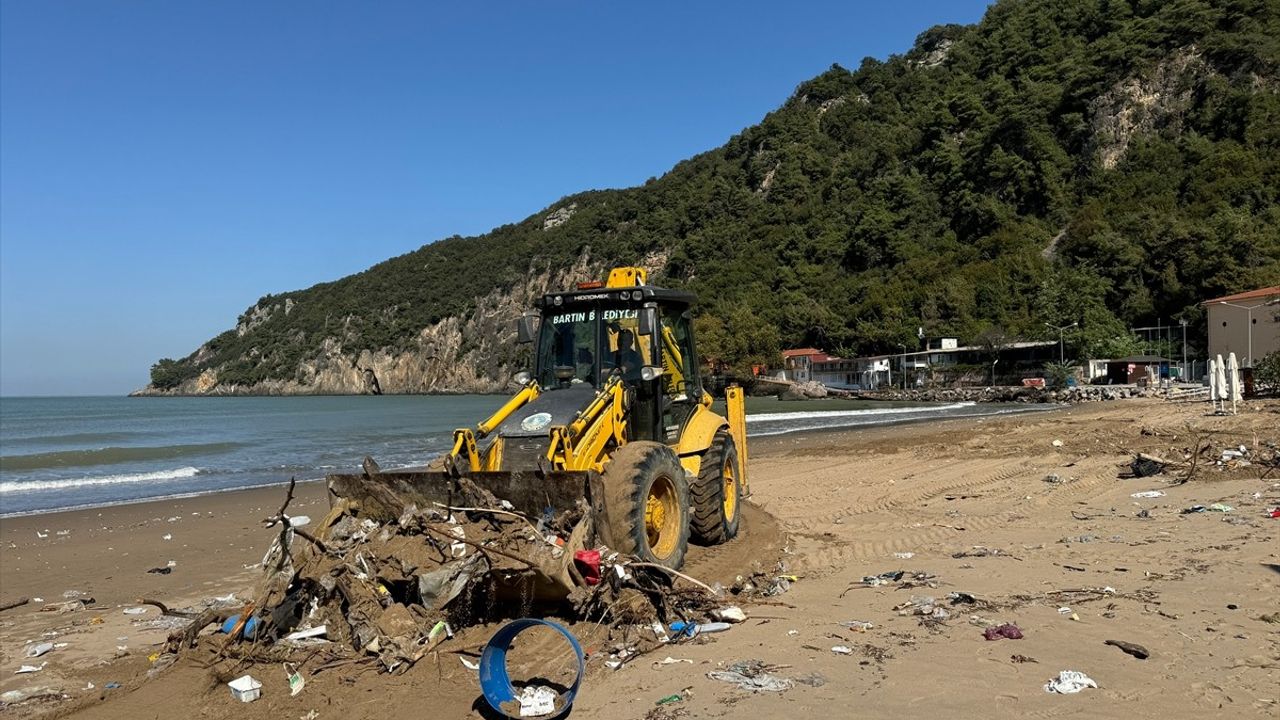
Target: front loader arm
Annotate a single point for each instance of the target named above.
(464, 439)
(581, 444)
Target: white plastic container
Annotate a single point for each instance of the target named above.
(245, 688)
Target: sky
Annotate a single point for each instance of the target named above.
(163, 164)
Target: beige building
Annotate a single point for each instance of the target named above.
(1247, 324)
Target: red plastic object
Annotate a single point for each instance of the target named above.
(588, 562)
(1275, 512)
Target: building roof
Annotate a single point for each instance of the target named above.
(801, 352)
(1249, 295)
(1138, 359)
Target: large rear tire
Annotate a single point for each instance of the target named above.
(647, 502)
(717, 493)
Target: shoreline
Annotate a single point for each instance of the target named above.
(1014, 409)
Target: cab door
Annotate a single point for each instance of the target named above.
(679, 386)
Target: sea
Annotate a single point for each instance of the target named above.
(59, 453)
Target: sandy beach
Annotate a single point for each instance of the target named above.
(964, 506)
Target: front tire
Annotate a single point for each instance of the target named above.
(717, 493)
(647, 499)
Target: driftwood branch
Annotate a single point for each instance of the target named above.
(16, 603)
(677, 573)
(166, 610)
(478, 546)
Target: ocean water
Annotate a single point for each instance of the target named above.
(59, 453)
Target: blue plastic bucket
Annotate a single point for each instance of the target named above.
(495, 683)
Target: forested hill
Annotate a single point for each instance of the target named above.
(1109, 163)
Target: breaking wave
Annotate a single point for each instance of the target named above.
(158, 476)
(110, 456)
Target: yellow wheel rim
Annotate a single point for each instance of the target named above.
(662, 517)
(729, 476)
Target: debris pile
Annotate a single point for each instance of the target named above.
(388, 581)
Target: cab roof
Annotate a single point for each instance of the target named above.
(617, 295)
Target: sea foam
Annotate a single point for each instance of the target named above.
(158, 476)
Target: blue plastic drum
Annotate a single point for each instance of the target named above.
(495, 683)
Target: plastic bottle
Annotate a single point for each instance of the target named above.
(692, 629)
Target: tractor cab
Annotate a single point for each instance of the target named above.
(624, 328)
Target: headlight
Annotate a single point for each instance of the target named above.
(649, 372)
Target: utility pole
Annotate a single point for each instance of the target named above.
(1183, 323)
(1062, 359)
(902, 365)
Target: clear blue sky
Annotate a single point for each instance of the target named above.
(164, 164)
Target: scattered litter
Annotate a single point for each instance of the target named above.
(1069, 681)
(1057, 443)
(842, 650)
(923, 605)
(299, 521)
(112, 686)
(669, 700)
(1148, 494)
(752, 675)
(1023, 659)
(1131, 648)
(30, 669)
(668, 660)
(537, 701)
(245, 688)
(470, 664)
(14, 697)
(1216, 507)
(1147, 465)
(38, 649)
(904, 555)
(692, 629)
(160, 570)
(1008, 630)
(315, 632)
(961, 598)
(296, 681)
(731, 614)
(883, 578)
(1053, 479)
(169, 536)
(135, 611)
(857, 625)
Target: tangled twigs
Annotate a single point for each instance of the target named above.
(483, 549)
(678, 574)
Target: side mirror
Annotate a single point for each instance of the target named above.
(524, 329)
(648, 321)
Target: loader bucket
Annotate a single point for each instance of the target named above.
(530, 492)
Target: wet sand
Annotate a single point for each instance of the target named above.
(844, 504)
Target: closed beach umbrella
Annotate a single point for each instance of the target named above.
(1213, 381)
(1220, 379)
(1233, 379)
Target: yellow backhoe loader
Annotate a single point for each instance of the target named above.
(613, 413)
